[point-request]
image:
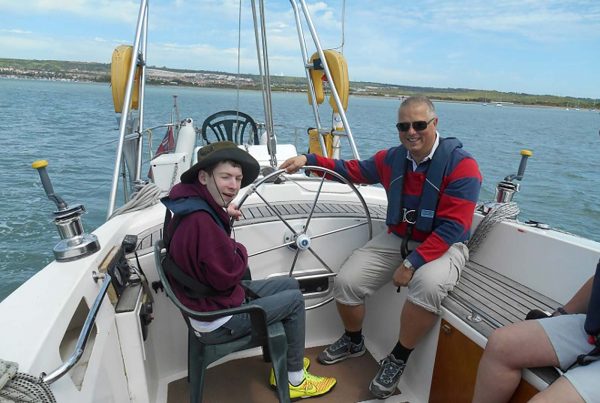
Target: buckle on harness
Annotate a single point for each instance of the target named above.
(409, 216)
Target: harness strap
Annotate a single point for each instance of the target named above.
(404, 247)
(585, 359)
(191, 287)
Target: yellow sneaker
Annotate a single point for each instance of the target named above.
(273, 382)
(312, 386)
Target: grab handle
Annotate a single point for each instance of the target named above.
(88, 325)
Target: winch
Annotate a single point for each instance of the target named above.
(506, 189)
(74, 243)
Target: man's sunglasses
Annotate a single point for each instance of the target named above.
(419, 125)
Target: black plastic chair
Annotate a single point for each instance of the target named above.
(200, 355)
(230, 125)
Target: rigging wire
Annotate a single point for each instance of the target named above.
(239, 52)
(341, 47)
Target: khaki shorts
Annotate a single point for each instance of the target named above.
(373, 265)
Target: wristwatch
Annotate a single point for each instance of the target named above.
(408, 264)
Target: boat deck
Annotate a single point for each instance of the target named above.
(487, 300)
(246, 380)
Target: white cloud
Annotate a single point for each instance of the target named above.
(112, 10)
(16, 31)
(537, 20)
(46, 48)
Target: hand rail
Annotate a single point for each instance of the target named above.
(83, 337)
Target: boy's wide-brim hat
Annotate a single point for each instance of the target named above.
(214, 153)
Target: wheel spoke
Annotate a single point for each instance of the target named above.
(294, 261)
(319, 259)
(271, 249)
(274, 210)
(312, 210)
(335, 231)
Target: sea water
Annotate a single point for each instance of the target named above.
(74, 127)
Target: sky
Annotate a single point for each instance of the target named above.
(526, 46)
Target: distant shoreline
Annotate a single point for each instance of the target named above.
(64, 71)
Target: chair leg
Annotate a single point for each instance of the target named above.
(266, 354)
(196, 369)
(278, 350)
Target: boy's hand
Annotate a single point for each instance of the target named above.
(233, 211)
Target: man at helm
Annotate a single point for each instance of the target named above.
(432, 187)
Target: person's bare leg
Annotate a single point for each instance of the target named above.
(415, 322)
(561, 390)
(352, 316)
(508, 351)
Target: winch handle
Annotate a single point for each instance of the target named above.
(41, 165)
(525, 154)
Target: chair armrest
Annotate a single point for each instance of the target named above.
(258, 317)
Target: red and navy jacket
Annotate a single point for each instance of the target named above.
(458, 195)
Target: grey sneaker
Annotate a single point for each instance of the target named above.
(387, 378)
(340, 350)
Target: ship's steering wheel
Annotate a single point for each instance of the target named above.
(300, 239)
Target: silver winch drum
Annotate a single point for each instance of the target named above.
(74, 243)
(505, 192)
(69, 227)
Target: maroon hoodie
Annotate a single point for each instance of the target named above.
(204, 251)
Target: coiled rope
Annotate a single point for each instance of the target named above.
(17, 387)
(498, 213)
(147, 196)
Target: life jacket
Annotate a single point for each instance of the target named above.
(181, 208)
(592, 320)
(431, 188)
